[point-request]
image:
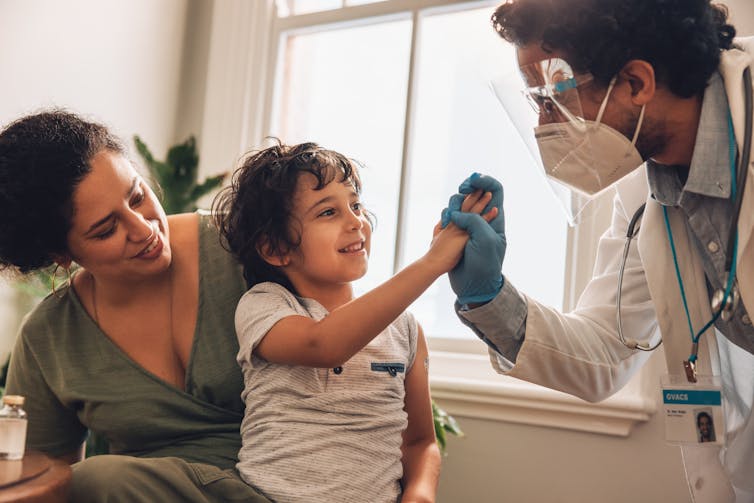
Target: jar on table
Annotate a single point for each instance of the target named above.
(12, 427)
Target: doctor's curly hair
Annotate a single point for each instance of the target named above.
(681, 39)
(255, 210)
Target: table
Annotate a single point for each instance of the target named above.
(36, 478)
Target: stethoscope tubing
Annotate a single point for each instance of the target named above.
(630, 234)
(632, 231)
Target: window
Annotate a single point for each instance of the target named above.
(405, 91)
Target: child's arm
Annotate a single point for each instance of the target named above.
(421, 456)
(330, 342)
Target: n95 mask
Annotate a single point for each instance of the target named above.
(587, 157)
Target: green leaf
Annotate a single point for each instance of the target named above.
(452, 426)
(209, 184)
(177, 176)
(159, 170)
(444, 423)
(440, 436)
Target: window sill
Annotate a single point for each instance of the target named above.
(465, 385)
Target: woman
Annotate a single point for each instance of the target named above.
(139, 347)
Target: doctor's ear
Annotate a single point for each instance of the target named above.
(640, 75)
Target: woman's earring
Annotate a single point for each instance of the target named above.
(67, 281)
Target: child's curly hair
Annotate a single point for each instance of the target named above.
(255, 209)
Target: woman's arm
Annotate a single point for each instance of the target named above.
(299, 340)
(52, 427)
(421, 456)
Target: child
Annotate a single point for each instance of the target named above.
(336, 409)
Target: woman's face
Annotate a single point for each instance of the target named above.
(119, 230)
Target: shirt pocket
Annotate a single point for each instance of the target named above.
(374, 369)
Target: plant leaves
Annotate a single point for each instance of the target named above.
(444, 423)
(177, 176)
(209, 184)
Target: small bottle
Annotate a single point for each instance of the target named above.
(12, 428)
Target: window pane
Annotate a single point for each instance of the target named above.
(294, 7)
(346, 90)
(459, 128)
(361, 2)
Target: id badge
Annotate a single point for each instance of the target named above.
(693, 411)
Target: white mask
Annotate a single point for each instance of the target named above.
(590, 156)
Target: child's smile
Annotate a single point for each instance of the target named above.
(357, 247)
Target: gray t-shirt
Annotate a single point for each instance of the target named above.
(312, 434)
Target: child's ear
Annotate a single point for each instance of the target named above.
(265, 251)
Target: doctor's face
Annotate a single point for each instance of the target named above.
(705, 427)
(588, 94)
(620, 112)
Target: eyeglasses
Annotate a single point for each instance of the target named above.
(544, 97)
(551, 90)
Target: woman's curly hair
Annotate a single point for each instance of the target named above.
(43, 158)
(681, 39)
(255, 210)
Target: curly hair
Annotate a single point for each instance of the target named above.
(256, 208)
(681, 39)
(43, 158)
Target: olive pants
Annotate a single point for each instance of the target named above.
(115, 479)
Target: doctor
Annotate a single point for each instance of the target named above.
(614, 83)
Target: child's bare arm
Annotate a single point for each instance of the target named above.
(421, 456)
(298, 340)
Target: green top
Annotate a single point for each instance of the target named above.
(74, 377)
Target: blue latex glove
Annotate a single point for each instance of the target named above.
(477, 277)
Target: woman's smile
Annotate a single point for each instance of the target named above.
(153, 249)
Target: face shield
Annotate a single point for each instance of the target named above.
(580, 158)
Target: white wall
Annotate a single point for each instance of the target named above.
(498, 461)
(115, 61)
(741, 14)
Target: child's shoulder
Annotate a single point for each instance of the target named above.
(407, 322)
(267, 292)
(267, 295)
(269, 288)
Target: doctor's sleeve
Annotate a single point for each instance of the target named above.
(501, 324)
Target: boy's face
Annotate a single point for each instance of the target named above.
(335, 236)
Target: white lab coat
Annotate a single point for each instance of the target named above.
(580, 352)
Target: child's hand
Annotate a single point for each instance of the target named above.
(448, 243)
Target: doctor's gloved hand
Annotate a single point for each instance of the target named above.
(477, 278)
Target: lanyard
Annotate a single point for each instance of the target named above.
(730, 263)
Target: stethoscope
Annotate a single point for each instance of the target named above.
(723, 301)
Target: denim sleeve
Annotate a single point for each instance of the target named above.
(501, 324)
